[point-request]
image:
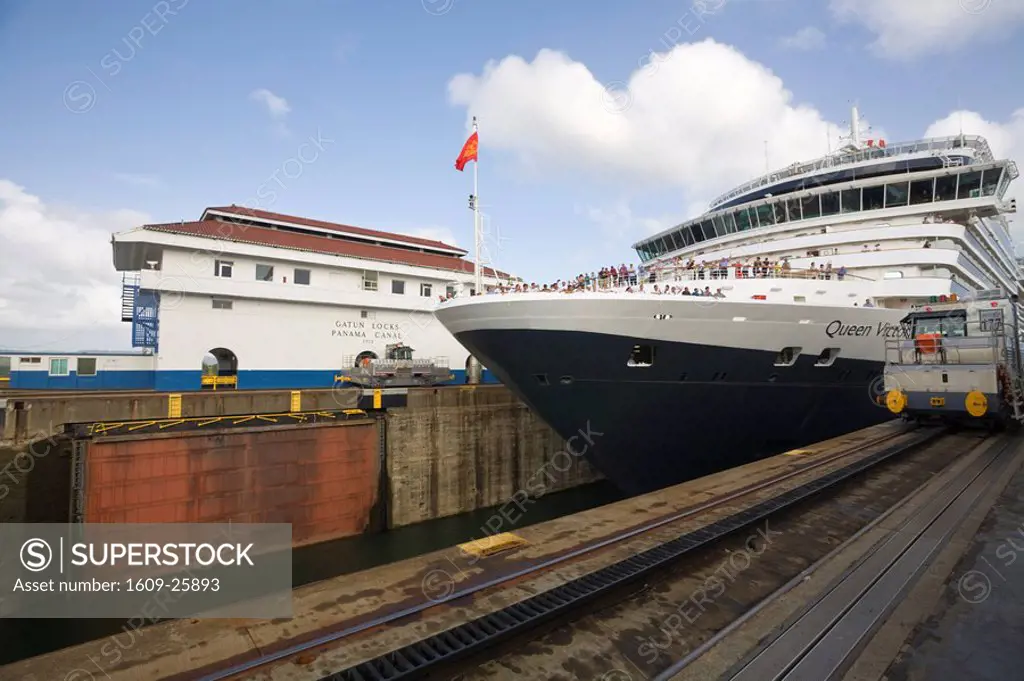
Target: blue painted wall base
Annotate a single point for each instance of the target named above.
(185, 381)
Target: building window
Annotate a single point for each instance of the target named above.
(222, 268)
(398, 287)
(426, 290)
(31, 360)
(220, 304)
(264, 273)
(86, 366)
(369, 281)
(58, 366)
(302, 277)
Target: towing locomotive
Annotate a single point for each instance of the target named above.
(960, 363)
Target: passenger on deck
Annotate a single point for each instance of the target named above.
(868, 303)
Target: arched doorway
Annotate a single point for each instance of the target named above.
(364, 355)
(220, 369)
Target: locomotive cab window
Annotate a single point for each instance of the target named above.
(950, 325)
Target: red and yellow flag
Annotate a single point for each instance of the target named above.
(468, 153)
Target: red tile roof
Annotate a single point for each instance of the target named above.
(257, 214)
(251, 234)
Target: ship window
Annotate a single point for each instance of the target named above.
(742, 220)
(793, 209)
(730, 223)
(426, 290)
(990, 180)
(787, 357)
(449, 291)
(710, 228)
(541, 378)
(850, 201)
(264, 273)
(765, 215)
(222, 268)
(895, 194)
(662, 246)
(779, 208)
(687, 236)
(921, 191)
(641, 356)
(302, 277)
(945, 188)
(874, 198)
(565, 380)
(970, 186)
(86, 366)
(829, 204)
(58, 366)
(827, 357)
(5, 367)
(219, 304)
(696, 234)
(812, 207)
(799, 299)
(369, 281)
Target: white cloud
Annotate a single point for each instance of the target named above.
(695, 120)
(58, 286)
(807, 38)
(139, 180)
(618, 222)
(696, 117)
(1005, 139)
(911, 28)
(277, 107)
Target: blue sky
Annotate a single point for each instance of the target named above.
(172, 126)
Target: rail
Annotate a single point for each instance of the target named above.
(679, 274)
(953, 343)
(174, 425)
(469, 637)
(936, 144)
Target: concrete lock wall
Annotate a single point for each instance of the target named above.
(453, 451)
(31, 417)
(322, 478)
(35, 482)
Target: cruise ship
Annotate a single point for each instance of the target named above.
(669, 386)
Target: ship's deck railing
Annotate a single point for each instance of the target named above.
(680, 278)
(983, 154)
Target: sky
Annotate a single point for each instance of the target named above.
(600, 122)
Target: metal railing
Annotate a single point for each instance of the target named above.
(983, 154)
(982, 342)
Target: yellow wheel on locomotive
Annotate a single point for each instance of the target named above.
(896, 401)
(976, 403)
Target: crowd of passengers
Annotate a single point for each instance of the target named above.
(659, 278)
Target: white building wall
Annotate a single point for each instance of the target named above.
(285, 335)
(282, 325)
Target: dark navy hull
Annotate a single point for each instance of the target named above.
(697, 410)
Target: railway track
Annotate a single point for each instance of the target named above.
(443, 649)
(691, 621)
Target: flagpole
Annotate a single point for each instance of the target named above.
(478, 268)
